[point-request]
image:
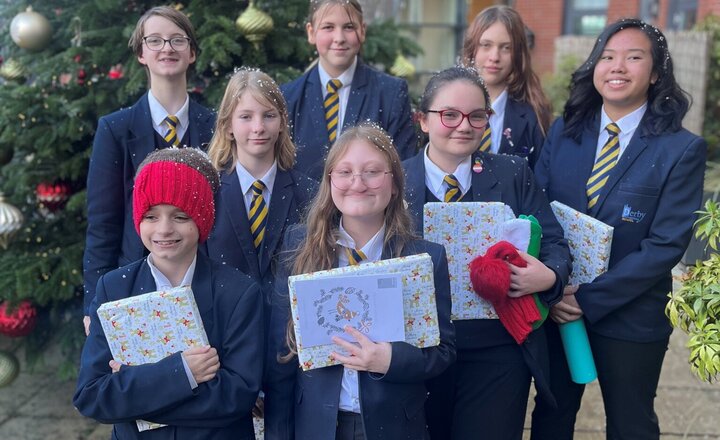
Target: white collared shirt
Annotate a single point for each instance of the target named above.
(496, 121)
(346, 79)
(246, 180)
(434, 176)
(163, 283)
(158, 115)
(349, 392)
(628, 124)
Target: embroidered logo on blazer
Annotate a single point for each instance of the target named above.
(628, 215)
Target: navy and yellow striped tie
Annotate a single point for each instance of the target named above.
(605, 162)
(452, 193)
(332, 108)
(258, 213)
(355, 256)
(171, 135)
(486, 140)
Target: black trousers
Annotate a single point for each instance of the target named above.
(628, 374)
(349, 426)
(482, 396)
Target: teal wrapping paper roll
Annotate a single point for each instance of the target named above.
(577, 351)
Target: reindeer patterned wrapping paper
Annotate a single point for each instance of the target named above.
(466, 229)
(589, 240)
(147, 328)
(419, 307)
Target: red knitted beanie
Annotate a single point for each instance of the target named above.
(181, 177)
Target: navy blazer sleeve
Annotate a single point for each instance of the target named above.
(160, 392)
(400, 125)
(105, 208)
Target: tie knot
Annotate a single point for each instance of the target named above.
(452, 181)
(613, 129)
(355, 256)
(257, 187)
(171, 120)
(333, 85)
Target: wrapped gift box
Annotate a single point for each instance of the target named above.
(147, 328)
(419, 307)
(466, 229)
(589, 240)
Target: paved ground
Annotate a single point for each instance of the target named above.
(38, 406)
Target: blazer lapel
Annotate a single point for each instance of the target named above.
(314, 96)
(201, 125)
(632, 151)
(485, 183)
(234, 208)
(415, 185)
(280, 202)
(144, 281)
(202, 288)
(516, 122)
(357, 96)
(142, 138)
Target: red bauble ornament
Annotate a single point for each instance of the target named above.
(116, 71)
(52, 196)
(20, 322)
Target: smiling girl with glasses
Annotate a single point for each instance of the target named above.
(379, 391)
(493, 373)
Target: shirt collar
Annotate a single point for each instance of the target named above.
(158, 112)
(246, 179)
(627, 123)
(434, 175)
(498, 106)
(345, 78)
(162, 282)
(372, 249)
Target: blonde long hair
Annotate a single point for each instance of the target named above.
(319, 250)
(223, 150)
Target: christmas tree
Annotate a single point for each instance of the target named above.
(65, 63)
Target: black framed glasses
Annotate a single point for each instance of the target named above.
(178, 44)
(452, 118)
(343, 179)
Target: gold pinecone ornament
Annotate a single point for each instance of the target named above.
(402, 67)
(11, 220)
(254, 24)
(30, 30)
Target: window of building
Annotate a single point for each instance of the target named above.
(682, 14)
(585, 17)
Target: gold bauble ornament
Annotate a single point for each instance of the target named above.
(30, 30)
(402, 67)
(254, 24)
(9, 368)
(12, 70)
(11, 220)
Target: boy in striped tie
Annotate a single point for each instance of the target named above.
(164, 42)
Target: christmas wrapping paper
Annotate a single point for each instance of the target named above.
(419, 306)
(466, 229)
(147, 328)
(589, 240)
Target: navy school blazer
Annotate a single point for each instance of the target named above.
(649, 199)
(231, 243)
(522, 135)
(509, 180)
(374, 96)
(304, 405)
(123, 139)
(229, 303)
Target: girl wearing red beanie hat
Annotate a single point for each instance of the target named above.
(202, 392)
